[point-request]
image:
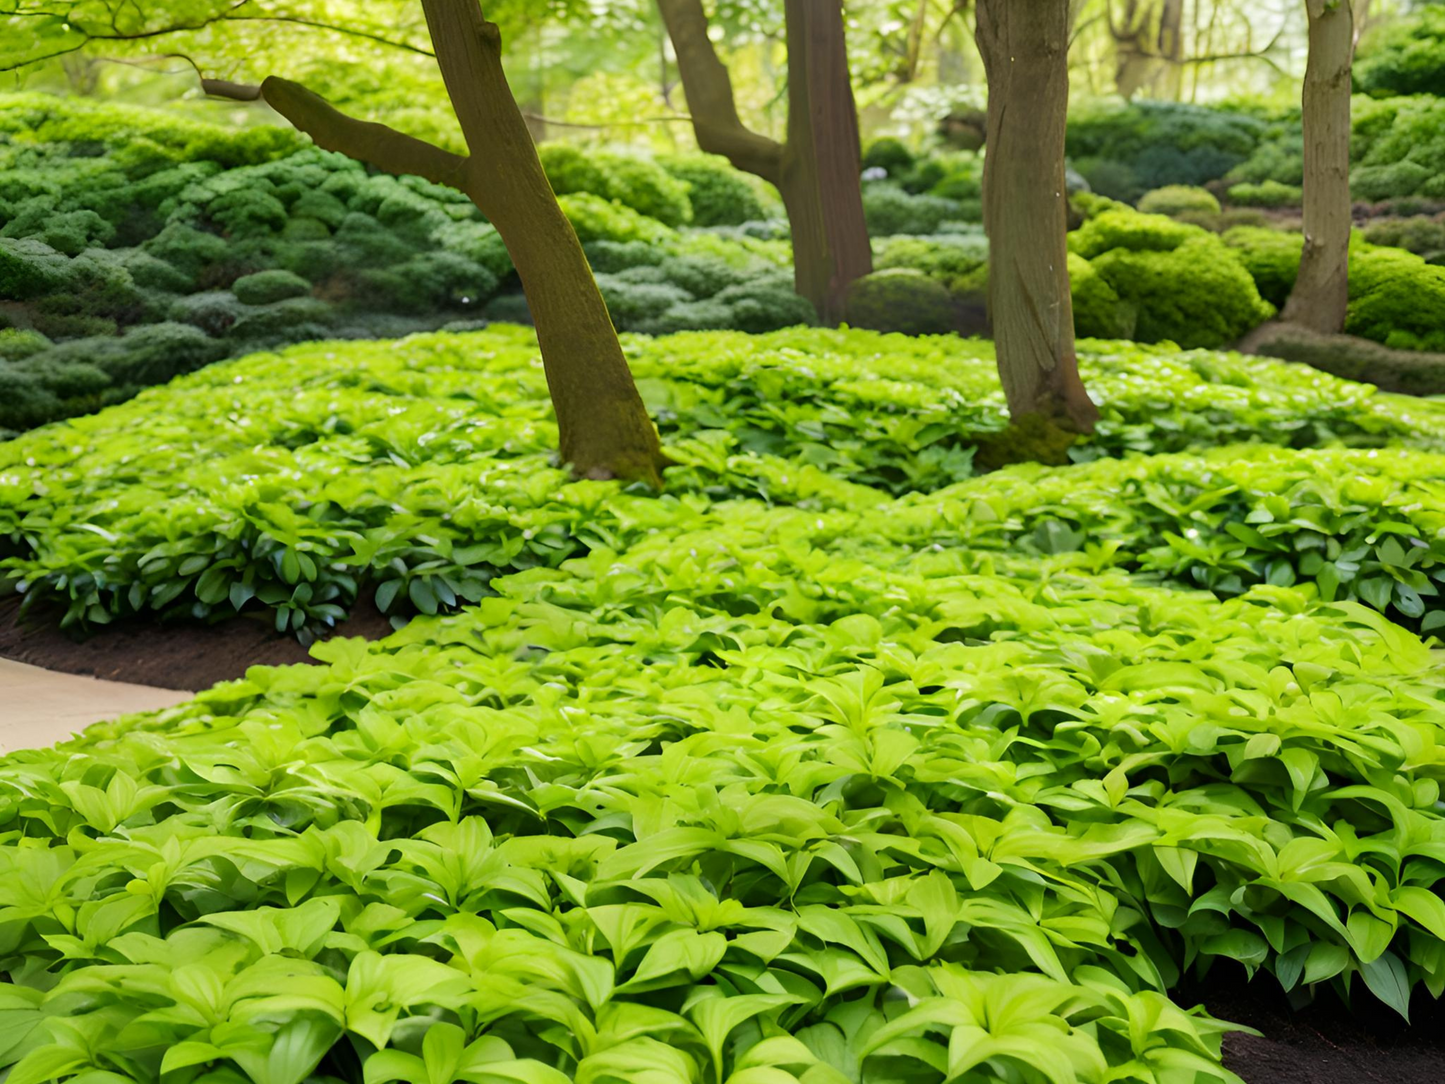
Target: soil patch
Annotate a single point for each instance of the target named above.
(168, 656)
(1325, 1042)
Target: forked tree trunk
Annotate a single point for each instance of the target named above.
(822, 160)
(1321, 293)
(817, 170)
(1024, 44)
(604, 430)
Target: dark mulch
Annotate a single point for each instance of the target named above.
(169, 656)
(1325, 1042)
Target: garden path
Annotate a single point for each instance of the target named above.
(40, 707)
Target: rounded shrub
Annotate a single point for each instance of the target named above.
(1266, 194)
(890, 209)
(1179, 199)
(900, 299)
(1098, 311)
(720, 195)
(264, 287)
(1184, 284)
(1396, 298)
(1272, 258)
(766, 303)
(890, 155)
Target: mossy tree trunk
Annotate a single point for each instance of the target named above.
(603, 425)
(817, 171)
(1321, 293)
(1024, 45)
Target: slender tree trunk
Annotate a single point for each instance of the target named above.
(604, 427)
(1321, 293)
(1024, 44)
(821, 161)
(817, 170)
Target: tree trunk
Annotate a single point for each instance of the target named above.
(1321, 293)
(1024, 44)
(1170, 83)
(603, 425)
(817, 171)
(821, 163)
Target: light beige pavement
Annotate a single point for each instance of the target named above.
(40, 707)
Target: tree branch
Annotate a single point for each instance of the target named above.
(376, 144)
(709, 91)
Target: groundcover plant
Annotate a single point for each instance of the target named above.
(417, 471)
(833, 764)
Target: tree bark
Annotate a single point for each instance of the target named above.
(1321, 293)
(603, 427)
(822, 160)
(817, 171)
(1024, 44)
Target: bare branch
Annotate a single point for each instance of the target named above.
(709, 91)
(376, 144)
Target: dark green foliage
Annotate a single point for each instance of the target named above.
(1410, 372)
(1421, 234)
(900, 299)
(719, 194)
(1125, 151)
(891, 209)
(266, 286)
(1406, 57)
(889, 154)
(1184, 284)
(632, 303)
(766, 304)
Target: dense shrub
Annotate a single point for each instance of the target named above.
(1272, 258)
(272, 242)
(1184, 284)
(1099, 313)
(890, 155)
(958, 261)
(1421, 234)
(900, 299)
(719, 194)
(1405, 57)
(1269, 193)
(1179, 199)
(1397, 298)
(644, 186)
(264, 287)
(1124, 151)
(891, 209)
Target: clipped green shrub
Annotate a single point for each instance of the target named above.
(644, 186)
(955, 260)
(890, 209)
(1421, 234)
(1406, 56)
(266, 286)
(1266, 194)
(1179, 199)
(719, 194)
(1099, 313)
(1184, 284)
(889, 154)
(1272, 258)
(900, 299)
(1396, 298)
